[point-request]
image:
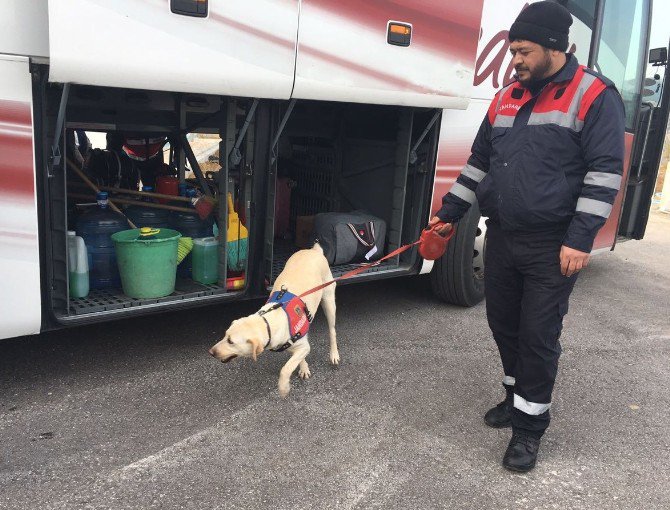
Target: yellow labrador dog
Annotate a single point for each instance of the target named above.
(282, 323)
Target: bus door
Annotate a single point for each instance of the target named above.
(618, 51)
(651, 128)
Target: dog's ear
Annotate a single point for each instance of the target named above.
(256, 347)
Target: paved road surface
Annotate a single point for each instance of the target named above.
(137, 415)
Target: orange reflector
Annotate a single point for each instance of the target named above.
(399, 29)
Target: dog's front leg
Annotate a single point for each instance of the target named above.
(299, 352)
(328, 303)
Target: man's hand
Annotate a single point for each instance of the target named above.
(443, 230)
(572, 261)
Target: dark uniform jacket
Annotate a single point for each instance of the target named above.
(547, 162)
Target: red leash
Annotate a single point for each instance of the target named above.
(434, 243)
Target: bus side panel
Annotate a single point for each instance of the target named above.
(20, 307)
(457, 132)
(606, 238)
(343, 53)
(24, 28)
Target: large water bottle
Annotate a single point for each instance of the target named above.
(96, 228)
(147, 216)
(77, 263)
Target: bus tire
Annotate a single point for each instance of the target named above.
(458, 276)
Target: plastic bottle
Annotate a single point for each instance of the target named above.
(77, 263)
(205, 260)
(96, 228)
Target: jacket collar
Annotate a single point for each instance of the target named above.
(568, 71)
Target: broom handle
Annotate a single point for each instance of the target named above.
(143, 193)
(95, 188)
(135, 202)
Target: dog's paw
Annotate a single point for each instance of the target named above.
(335, 357)
(284, 389)
(303, 372)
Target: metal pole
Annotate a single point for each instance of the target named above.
(186, 148)
(412, 153)
(55, 157)
(597, 33)
(275, 141)
(235, 155)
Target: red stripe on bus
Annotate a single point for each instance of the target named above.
(16, 150)
(450, 28)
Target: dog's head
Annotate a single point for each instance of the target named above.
(243, 338)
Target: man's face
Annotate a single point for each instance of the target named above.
(532, 61)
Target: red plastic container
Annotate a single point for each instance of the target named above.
(167, 185)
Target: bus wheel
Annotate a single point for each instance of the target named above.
(458, 276)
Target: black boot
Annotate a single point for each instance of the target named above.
(521, 454)
(501, 415)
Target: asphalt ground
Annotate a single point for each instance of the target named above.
(135, 414)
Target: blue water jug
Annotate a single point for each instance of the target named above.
(96, 227)
(147, 216)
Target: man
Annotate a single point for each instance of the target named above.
(545, 168)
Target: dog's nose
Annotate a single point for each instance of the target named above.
(211, 351)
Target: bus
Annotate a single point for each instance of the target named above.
(291, 108)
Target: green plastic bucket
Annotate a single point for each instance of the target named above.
(148, 265)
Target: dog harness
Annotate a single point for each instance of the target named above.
(299, 317)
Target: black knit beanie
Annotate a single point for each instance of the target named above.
(545, 23)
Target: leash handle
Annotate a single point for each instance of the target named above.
(449, 235)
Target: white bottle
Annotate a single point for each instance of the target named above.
(77, 263)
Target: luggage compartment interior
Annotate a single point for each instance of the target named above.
(341, 157)
(153, 153)
(286, 162)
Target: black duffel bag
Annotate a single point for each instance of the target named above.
(350, 237)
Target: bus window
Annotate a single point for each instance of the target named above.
(583, 12)
(622, 47)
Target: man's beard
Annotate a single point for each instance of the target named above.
(537, 74)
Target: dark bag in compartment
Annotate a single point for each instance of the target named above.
(350, 237)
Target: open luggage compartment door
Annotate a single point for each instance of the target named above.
(239, 47)
(404, 52)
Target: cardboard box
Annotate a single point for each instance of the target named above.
(304, 226)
